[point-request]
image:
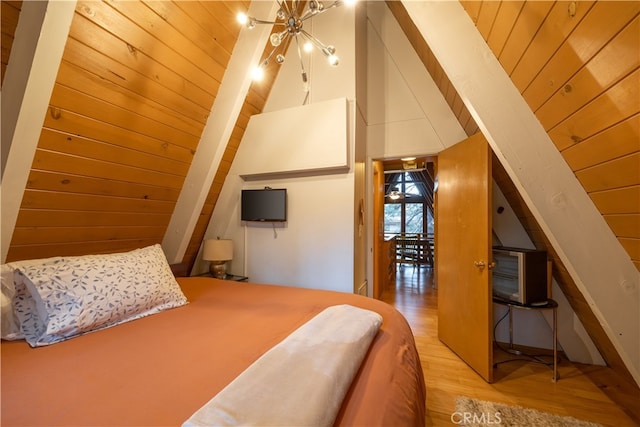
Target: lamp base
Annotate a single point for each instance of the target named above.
(218, 269)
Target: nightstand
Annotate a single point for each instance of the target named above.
(236, 278)
(232, 277)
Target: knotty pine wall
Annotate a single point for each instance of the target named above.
(577, 66)
(9, 13)
(130, 102)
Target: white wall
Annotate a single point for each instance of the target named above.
(315, 247)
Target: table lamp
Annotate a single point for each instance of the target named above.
(218, 251)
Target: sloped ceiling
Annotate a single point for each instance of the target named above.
(138, 78)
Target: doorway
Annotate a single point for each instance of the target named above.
(404, 220)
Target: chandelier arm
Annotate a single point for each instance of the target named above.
(304, 72)
(309, 14)
(284, 6)
(260, 21)
(266, 60)
(319, 45)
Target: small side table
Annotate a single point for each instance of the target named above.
(236, 278)
(232, 277)
(548, 305)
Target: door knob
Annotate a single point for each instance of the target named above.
(481, 264)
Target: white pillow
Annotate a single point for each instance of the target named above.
(8, 322)
(76, 295)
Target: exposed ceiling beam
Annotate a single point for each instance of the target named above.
(39, 41)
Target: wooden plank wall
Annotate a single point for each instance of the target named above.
(132, 96)
(9, 14)
(577, 66)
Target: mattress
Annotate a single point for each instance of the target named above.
(160, 369)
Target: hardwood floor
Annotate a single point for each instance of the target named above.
(578, 393)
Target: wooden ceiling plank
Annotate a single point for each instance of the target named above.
(112, 71)
(76, 249)
(505, 20)
(174, 13)
(48, 235)
(226, 12)
(527, 25)
(562, 20)
(632, 246)
(487, 17)
(166, 35)
(95, 108)
(617, 104)
(75, 124)
(625, 200)
(96, 150)
(69, 183)
(69, 218)
(614, 62)
(603, 21)
(472, 7)
(111, 53)
(34, 199)
(620, 172)
(73, 76)
(616, 141)
(625, 226)
(57, 162)
(137, 39)
(221, 26)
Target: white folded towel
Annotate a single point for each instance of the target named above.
(302, 380)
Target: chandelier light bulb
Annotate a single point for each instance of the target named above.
(242, 18)
(275, 39)
(308, 46)
(257, 74)
(291, 20)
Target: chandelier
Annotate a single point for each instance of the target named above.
(289, 26)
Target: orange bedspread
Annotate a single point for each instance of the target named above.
(159, 370)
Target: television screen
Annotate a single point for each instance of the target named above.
(269, 205)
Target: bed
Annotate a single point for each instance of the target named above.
(159, 369)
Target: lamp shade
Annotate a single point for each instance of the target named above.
(217, 250)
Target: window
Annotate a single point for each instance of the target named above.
(411, 212)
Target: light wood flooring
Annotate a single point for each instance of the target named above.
(578, 393)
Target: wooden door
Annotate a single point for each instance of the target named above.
(465, 309)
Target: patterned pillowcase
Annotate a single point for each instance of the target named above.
(13, 290)
(71, 296)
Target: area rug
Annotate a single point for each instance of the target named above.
(479, 413)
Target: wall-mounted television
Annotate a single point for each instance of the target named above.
(267, 205)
